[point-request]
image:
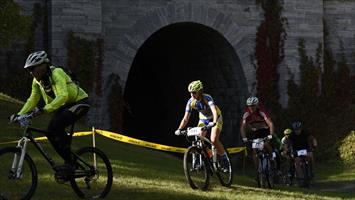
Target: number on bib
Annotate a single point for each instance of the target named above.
(302, 152)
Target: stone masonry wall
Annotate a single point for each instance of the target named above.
(126, 24)
(304, 21)
(83, 17)
(340, 22)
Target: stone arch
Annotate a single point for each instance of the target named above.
(235, 38)
(197, 12)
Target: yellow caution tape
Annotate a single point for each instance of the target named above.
(5, 97)
(134, 141)
(237, 150)
(126, 139)
(116, 136)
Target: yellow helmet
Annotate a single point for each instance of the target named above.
(195, 86)
(287, 131)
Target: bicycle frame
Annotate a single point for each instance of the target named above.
(264, 160)
(199, 141)
(22, 144)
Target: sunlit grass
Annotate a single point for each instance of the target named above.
(144, 174)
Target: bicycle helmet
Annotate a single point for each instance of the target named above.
(36, 58)
(287, 131)
(195, 86)
(296, 125)
(252, 101)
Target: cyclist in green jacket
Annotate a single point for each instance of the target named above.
(62, 97)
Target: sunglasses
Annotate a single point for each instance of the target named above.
(30, 69)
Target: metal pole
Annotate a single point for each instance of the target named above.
(94, 145)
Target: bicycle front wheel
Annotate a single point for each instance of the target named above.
(93, 176)
(265, 176)
(196, 169)
(16, 183)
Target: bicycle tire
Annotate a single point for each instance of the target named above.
(264, 180)
(301, 172)
(97, 181)
(261, 180)
(306, 174)
(228, 175)
(22, 188)
(270, 173)
(196, 182)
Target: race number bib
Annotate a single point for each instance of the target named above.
(257, 144)
(302, 152)
(194, 131)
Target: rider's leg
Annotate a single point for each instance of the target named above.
(256, 163)
(268, 148)
(255, 160)
(57, 134)
(298, 169)
(215, 132)
(310, 157)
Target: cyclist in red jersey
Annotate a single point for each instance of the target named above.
(259, 123)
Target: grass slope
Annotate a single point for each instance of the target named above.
(146, 174)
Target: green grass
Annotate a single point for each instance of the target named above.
(141, 173)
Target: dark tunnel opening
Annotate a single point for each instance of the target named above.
(156, 88)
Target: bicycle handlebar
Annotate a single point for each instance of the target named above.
(23, 120)
(261, 139)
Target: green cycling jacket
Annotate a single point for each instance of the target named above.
(65, 90)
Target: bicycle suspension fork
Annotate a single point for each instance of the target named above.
(18, 160)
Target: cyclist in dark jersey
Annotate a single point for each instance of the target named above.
(301, 139)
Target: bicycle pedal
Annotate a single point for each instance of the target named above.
(61, 177)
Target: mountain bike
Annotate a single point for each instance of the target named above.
(288, 171)
(303, 168)
(199, 166)
(91, 176)
(267, 168)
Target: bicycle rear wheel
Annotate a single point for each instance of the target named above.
(13, 186)
(196, 169)
(93, 174)
(225, 173)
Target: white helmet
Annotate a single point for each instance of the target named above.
(252, 101)
(36, 58)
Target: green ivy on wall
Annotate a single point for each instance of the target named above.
(323, 99)
(81, 60)
(269, 52)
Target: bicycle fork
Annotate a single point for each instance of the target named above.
(17, 163)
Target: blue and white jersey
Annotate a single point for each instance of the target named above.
(203, 106)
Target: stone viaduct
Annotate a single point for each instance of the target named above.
(158, 46)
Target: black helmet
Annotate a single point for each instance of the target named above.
(296, 125)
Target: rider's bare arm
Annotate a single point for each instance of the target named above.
(270, 125)
(242, 130)
(312, 140)
(184, 120)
